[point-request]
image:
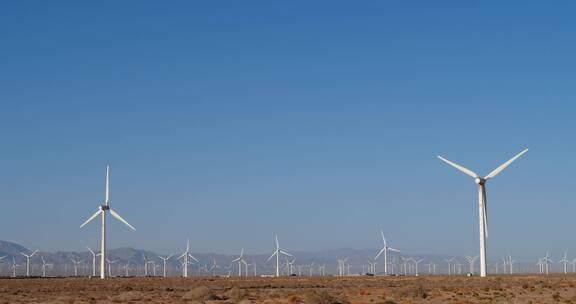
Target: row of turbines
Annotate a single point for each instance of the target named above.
(104, 209)
(397, 265)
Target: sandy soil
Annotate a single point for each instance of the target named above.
(316, 290)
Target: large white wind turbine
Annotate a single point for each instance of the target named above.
(384, 251)
(481, 182)
(185, 257)
(102, 212)
(277, 253)
(28, 257)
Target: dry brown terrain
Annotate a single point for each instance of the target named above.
(318, 290)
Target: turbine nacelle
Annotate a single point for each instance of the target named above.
(104, 207)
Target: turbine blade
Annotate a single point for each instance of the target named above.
(192, 257)
(107, 198)
(485, 210)
(285, 253)
(33, 253)
(118, 217)
(395, 250)
(273, 254)
(466, 171)
(91, 218)
(383, 238)
(504, 165)
(379, 253)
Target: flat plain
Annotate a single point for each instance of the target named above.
(313, 290)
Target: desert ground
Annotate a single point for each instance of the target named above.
(313, 290)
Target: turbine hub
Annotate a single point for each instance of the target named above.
(479, 181)
(104, 207)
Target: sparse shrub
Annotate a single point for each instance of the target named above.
(236, 294)
(293, 299)
(128, 296)
(323, 297)
(199, 293)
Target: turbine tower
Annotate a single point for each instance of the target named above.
(384, 250)
(277, 253)
(481, 182)
(102, 212)
(28, 257)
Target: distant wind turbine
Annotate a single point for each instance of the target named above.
(481, 182)
(76, 264)
(44, 265)
(94, 255)
(565, 261)
(102, 212)
(164, 259)
(28, 257)
(384, 251)
(240, 260)
(277, 253)
(185, 257)
(14, 266)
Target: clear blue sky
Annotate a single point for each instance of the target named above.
(230, 121)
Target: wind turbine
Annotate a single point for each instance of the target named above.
(102, 212)
(126, 268)
(94, 255)
(110, 266)
(44, 265)
(28, 256)
(416, 262)
(277, 253)
(511, 264)
(76, 263)
(14, 266)
(481, 182)
(185, 256)
(385, 251)
(146, 261)
(240, 260)
(372, 267)
(164, 259)
(545, 260)
(449, 261)
(216, 266)
(565, 261)
(471, 261)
